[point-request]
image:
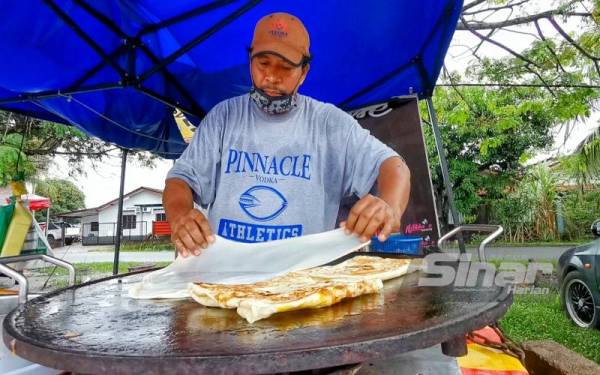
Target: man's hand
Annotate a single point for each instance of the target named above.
(190, 232)
(369, 215)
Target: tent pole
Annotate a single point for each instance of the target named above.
(120, 212)
(445, 175)
(47, 222)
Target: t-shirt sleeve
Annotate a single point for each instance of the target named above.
(199, 163)
(363, 157)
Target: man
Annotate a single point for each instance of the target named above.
(274, 164)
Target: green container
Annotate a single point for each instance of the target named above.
(6, 213)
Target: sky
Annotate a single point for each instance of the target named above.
(102, 184)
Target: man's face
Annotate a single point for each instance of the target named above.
(276, 76)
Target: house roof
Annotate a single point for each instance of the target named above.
(91, 211)
(130, 194)
(79, 213)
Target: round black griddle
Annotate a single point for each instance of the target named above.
(97, 328)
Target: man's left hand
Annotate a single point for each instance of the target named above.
(369, 215)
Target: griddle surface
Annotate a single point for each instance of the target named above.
(97, 328)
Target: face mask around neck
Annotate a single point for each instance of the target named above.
(273, 105)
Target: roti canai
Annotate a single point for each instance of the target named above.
(365, 267)
(258, 302)
(313, 288)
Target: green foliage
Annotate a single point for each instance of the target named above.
(505, 126)
(590, 155)
(575, 167)
(10, 154)
(485, 127)
(63, 194)
(528, 211)
(542, 186)
(580, 209)
(45, 140)
(513, 212)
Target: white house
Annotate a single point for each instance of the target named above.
(141, 207)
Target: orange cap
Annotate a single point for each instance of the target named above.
(283, 34)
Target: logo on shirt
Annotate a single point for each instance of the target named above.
(262, 203)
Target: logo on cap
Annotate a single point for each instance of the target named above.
(279, 29)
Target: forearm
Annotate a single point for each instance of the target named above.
(177, 198)
(393, 184)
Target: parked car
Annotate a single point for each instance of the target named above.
(72, 233)
(579, 280)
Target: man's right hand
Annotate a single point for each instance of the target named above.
(191, 232)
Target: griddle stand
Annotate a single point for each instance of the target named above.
(22, 280)
(457, 347)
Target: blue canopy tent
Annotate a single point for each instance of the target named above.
(117, 69)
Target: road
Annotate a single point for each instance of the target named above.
(523, 253)
(108, 256)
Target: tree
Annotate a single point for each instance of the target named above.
(11, 156)
(590, 152)
(63, 194)
(32, 143)
(497, 113)
(557, 56)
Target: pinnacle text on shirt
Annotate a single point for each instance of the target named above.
(239, 161)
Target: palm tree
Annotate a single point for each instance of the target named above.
(590, 152)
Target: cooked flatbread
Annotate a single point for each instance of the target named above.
(313, 288)
(255, 302)
(229, 296)
(365, 267)
(321, 294)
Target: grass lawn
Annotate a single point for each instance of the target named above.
(147, 246)
(540, 317)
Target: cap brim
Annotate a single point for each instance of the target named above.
(288, 53)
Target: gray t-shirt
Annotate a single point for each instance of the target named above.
(267, 177)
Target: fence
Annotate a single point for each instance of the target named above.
(105, 233)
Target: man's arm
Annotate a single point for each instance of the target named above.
(190, 229)
(382, 213)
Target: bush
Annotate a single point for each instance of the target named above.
(580, 209)
(514, 214)
(529, 211)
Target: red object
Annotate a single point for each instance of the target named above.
(36, 202)
(486, 333)
(39, 203)
(161, 228)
